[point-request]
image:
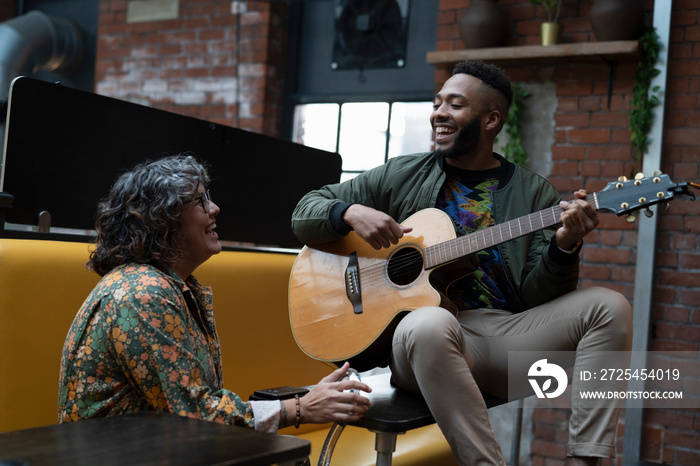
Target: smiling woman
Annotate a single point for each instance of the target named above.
(145, 338)
(198, 235)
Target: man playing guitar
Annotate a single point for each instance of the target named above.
(519, 295)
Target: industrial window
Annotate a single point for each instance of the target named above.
(365, 134)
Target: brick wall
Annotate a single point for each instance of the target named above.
(220, 60)
(591, 148)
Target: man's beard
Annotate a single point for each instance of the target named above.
(465, 141)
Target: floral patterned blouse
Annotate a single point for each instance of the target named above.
(144, 340)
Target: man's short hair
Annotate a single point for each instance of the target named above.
(489, 74)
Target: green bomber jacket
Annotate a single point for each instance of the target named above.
(536, 269)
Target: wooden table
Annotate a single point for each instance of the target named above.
(147, 439)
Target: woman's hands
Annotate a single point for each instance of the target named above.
(329, 401)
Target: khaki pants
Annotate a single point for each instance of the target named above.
(452, 360)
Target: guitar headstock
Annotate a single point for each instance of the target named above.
(627, 196)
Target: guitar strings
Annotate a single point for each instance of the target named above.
(410, 262)
(402, 264)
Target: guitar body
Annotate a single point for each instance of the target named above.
(324, 321)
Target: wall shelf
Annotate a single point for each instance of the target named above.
(615, 51)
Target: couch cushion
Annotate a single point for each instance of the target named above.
(42, 285)
(355, 447)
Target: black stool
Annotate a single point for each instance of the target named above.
(395, 411)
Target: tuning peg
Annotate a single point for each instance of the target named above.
(631, 218)
(648, 212)
(639, 176)
(622, 178)
(667, 206)
(658, 173)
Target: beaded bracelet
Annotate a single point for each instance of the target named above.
(283, 415)
(298, 418)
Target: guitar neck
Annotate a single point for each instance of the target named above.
(479, 240)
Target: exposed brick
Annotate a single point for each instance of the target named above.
(682, 439)
(690, 297)
(681, 136)
(612, 170)
(669, 222)
(452, 4)
(622, 274)
(690, 261)
(605, 153)
(667, 259)
(690, 334)
(665, 330)
(568, 153)
(688, 458)
(652, 434)
(552, 462)
(610, 238)
(565, 169)
(670, 345)
(609, 119)
(650, 452)
(594, 272)
(607, 255)
(591, 103)
(678, 278)
(545, 432)
(677, 418)
(550, 416)
(682, 241)
(549, 449)
(447, 17)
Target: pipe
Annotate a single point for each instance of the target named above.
(645, 269)
(35, 42)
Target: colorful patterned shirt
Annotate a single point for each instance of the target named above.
(467, 197)
(144, 340)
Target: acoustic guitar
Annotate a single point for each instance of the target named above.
(346, 298)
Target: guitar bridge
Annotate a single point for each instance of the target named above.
(352, 283)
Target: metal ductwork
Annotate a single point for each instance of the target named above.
(35, 42)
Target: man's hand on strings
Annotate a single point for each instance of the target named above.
(378, 229)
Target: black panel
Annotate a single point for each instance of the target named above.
(65, 148)
(319, 82)
(370, 34)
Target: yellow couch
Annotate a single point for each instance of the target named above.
(43, 283)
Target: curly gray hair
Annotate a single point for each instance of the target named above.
(139, 221)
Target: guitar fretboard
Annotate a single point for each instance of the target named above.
(453, 249)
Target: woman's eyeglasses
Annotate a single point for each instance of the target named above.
(204, 199)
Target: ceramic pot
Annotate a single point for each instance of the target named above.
(483, 24)
(549, 33)
(616, 19)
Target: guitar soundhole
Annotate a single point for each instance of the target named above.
(405, 266)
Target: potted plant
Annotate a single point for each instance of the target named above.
(514, 149)
(646, 96)
(550, 28)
